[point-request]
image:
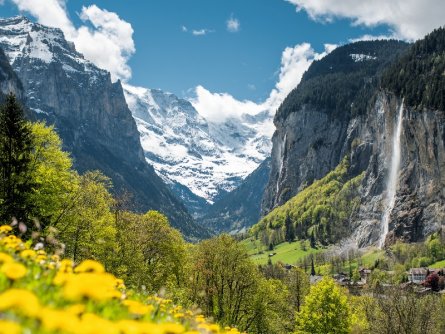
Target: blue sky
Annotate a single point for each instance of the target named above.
(249, 69)
(244, 63)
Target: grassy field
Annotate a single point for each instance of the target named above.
(288, 253)
(439, 264)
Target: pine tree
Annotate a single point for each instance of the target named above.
(290, 229)
(312, 266)
(313, 242)
(15, 152)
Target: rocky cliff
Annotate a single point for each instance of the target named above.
(343, 107)
(90, 114)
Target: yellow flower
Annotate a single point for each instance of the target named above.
(13, 270)
(40, 258)
(92, 324)
(90, 285)
(76, 309)
(137, 308)
(61, 278)
(172, 328)
(23, 301)
(4, 258)
(28, 254)
(55, 258)
(138, 327)
(9, 327)
(90, 266)
(5, 229)
(56, 320)
(11, 242)
(66, 266)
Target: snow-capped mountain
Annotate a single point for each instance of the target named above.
(90, 113)
(208, 158)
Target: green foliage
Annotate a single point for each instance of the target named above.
(326, 310)
(322, 209)
(228, 287)
(16, 186)
(403, 312)
(51, 170)
(298, 284)
(419, 75)
(86, 227)
(151, 253)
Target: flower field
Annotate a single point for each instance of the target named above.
(40, 293)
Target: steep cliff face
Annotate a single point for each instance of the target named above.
(327, 117)
(9, 82)
(89, 112)
(312, 123)
(420, 202)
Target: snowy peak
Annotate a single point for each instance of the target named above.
(184, 148)
(22, 40)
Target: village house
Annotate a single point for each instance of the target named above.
(418, 275)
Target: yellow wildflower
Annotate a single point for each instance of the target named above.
(137, 308)
(76, 309)
(66, 266)
(90, 266)
(90, 285)
(170, 328)
(93, 324)
(5, 229)
(28, 254)
(23, 301)
(13, 270)
(56, 320)
(61, 278)
(4, 258)
(9, 327)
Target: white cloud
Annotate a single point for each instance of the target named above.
(233, 24)
(184, 29)
(108, 44)
(410, 19)
(217, 107)
(201, 32)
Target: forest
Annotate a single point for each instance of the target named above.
(75, 259)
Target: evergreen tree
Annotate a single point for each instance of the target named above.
(16, 185)
(313, 242)
(312, 266)
(290, 229)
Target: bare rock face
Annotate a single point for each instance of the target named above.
(90, 114)
(314, 133)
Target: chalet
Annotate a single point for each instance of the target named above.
(418, 275)
(364, 274)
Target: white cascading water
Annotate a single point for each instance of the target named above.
(393, 178)
(282, 153)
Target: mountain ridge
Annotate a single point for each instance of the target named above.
(90, 114)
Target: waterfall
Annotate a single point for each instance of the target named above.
(282, 155)
(393, 177)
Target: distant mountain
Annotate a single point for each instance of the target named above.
(90, 114)
(238, 210)
(200, 160)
